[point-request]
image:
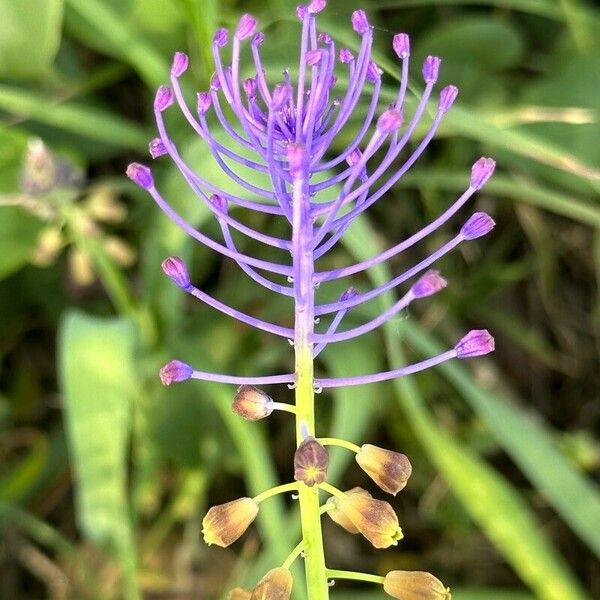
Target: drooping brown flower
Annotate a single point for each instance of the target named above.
(239, 593)
(275, 585)
(415, 585)
(340, 517)
(251, 403)
(389, 470)
(225, 523)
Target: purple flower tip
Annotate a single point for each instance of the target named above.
(246, 27)
(478, 225)
(447, 98)
(219, 203)
(163, 98)
(296, 155)
(360, 23)
(204, 102)
(258, 39)
(389, 121)
(354, 156)
(140, 175)
(175, 371)
(316, 6)
(373, 72)
(349, 294)
(313, 57)
(401, 45)
(482, 170)
(176, 270)
(431, 69)
(325, 38)
(180, 64)
(346, 56)
(476, 343)
(221, 37)
(427, 285)
(215, 82)
(249, 86)
(281, 95)
(301, 11)
(156, 148)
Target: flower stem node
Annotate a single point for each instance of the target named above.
(401, 45)
(427, 285)
(175, 371)
(239, 593)
(374, 519)
(221, 37)
(275, 585)
(482, 170)
(310, 462)
(415, 585)
(478, 225)
(388, 469)
(156, 148)
(225, 523)
(447, 97)
(141, 175)
(251, 403)
(246, 27)
(477, 342)
(389, 121)
(360, 23)
(163, 98)
(431, 69)
(176, 270)
(180, 64)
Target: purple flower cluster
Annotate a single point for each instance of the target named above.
(287, 131)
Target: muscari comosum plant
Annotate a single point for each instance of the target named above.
(286, 132)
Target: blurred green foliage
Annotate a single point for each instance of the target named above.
(105, 475)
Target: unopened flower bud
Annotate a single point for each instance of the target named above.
(246, 27)
(219, 203)
(221, 37)
(346, 56)
(415, 585)
(176, 270)
(339, 517)
(310, 462)
(140, 175)
(163, 98)
(360, 23)
(314, 57)
(204, 102)
(375, 519)
(349, 294)
(431, 69)
(281, 95)
(447, 97)
(428, 284)
(478, 225)
(225, 523)
(249, 86)
(301, 12)
(389, 470)
(258, 39)
(175, 371)
(251, 403)
(482, 170)
(180, 64)
(476, 343)
(239, 593)
(215, 82)
(275, 585)
(389, 121)
(325, 38)
(401, 45)
(156, 148)
(316, 6)
(373, 72)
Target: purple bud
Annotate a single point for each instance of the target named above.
(156, 148)
(215, 82)
(176, 270)
(249, 86)
(401, 45)
(163, 98)
(349, 294)
(346, 56)
(431, 69)
(389, 121)
(373, 72)
(428, 284)
(180, 64)
(175, 371)
(204, 102)
(246, 27)
(325, 38)
(447, 98)
(476, 343)
(140, 175)
(477, 225)
(316, 6)
(258, 39)
(296, 155)
(313, 57)
(360, 23)
(354, 156)
(482, 170)
(281, 95)
(221, 37)
(301, 11)
(219, 203)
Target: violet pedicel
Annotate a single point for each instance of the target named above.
(287, 128)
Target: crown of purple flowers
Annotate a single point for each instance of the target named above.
(287, 130)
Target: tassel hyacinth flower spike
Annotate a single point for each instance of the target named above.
(286, 130)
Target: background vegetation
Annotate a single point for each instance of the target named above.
(104, 475)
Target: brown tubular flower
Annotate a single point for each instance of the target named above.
(310, 462)
(415, 585)
(340, 517)
(375, 519)
(239, 593)
(275, 585)
(389, 470)
(251, 403)
(225, 523)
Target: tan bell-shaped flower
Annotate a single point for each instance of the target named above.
(275, 585)
(415, 585)
(375, 519)
(310, 462)
(389, 470)
(340, 517)
(239, 593)
(251, 403)
(225, 523)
